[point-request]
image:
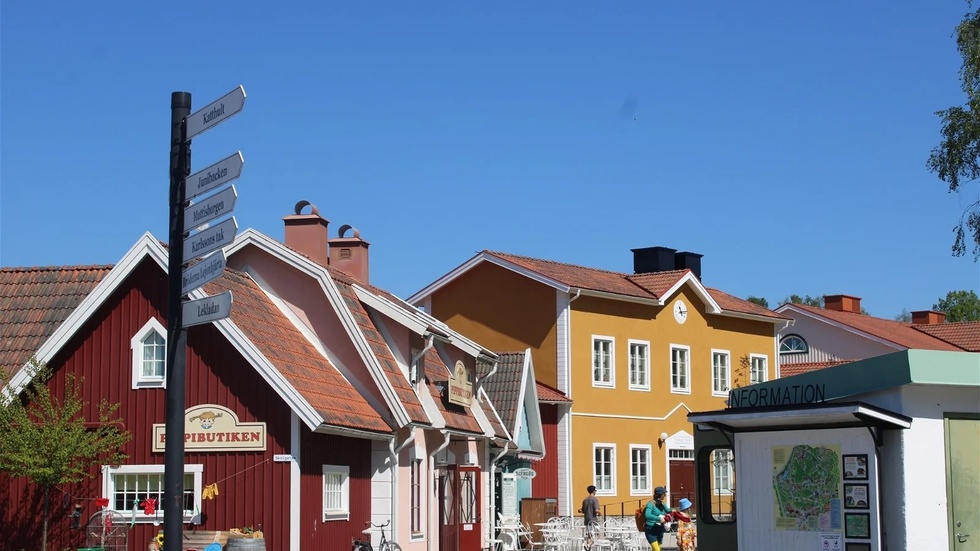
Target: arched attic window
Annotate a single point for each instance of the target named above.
(793, 344)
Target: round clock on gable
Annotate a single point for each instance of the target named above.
(680, 311)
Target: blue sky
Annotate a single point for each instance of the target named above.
(784, 141)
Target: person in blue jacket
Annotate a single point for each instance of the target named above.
(657, 514)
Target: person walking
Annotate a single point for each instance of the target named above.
(590, 508)
(657, 514)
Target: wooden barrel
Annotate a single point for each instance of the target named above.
(245, 544)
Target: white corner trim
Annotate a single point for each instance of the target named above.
(680, 405)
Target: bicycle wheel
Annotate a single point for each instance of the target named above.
(390, 546)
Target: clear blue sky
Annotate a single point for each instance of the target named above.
(785, 141)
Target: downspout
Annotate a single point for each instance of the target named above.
(394, 478)
(493, 370)
(415, 359)
(493, 485)
(435, 452)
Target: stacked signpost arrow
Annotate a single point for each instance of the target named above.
(196, 257)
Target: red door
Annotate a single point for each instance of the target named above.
(470, 532)
(681, 481)
(448, 518)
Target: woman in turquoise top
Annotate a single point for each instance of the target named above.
(656, 514)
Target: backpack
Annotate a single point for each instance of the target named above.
(641, 519)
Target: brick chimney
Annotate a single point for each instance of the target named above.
(653, 259)
(307, 233)
(928, 317)
(350, 254)
(842, 303)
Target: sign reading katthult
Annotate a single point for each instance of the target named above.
(216, 112)
(210, 427)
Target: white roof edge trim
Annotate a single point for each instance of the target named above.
(496, 413)
(842, 326)
(812, 413)
(146, 245)
(470, 264)
(531, 388)
(699, 289)
(753, 317)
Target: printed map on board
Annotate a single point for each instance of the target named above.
(806, 484)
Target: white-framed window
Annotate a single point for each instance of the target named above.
(336, 492)
(722, 466)
(126, 485)
(721, 372)
(603, 361)
(758, 369)
(639, 365)
(640, 470)
(604, 468)
(680, 369)
(793, 344)
(415, 482)
(674, 453)
(149, 346)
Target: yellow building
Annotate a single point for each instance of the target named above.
(635, 353)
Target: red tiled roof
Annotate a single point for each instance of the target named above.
(735, 304)
(657, 283)
(406, 395)
(964, 334)
(33, 304)
(898, 332)
(551, 395)
(457, 417)
(787, 370)
(308, 371)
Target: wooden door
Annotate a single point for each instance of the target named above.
(470, 533)
(448, 518)
(681, 481)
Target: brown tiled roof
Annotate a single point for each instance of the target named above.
(308, 371)
(898, 332)
(551, 395)
(657, 283)
(437, 374)
(397, 379)
(735, 304)
(504, 387)
(964, 334)
(33, 304)
(787, 370)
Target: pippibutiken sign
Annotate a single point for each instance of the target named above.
(210, 427)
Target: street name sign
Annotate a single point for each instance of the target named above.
(218, 174)
(204, 271)
(209, 208)
(216, 112)
(215, 237)
(206, 309)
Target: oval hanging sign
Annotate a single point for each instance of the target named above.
(524, 473)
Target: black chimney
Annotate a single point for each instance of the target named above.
(653, 259)
(689, 260)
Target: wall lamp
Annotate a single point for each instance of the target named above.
(663, 438)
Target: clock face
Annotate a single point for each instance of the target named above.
(680, 311)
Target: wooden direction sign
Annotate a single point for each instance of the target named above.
(203, 310)
(218, 174)
(216, 112)
(204, 271)
(209, 208)
(215, 237)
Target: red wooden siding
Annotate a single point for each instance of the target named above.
(545, 482)
(324, 449)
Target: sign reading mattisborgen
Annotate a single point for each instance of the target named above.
(210, 427)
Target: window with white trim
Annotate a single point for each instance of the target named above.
(336, 492)
(680, 369)
(602, 361)
(793, 344)
(129, 485)
(639, 365)
(722, 465)
(680, 454)
(721, 372)
(758, 369)
(149, 346)
(415, 483)
(604, 468)
(640, 469)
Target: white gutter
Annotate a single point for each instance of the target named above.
(415, 359)
(444, 445)
(493, 370)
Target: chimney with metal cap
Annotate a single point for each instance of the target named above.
(307, 233)
(350, 254)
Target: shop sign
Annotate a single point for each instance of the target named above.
(460, 388)
(525, 473)
(210, 427)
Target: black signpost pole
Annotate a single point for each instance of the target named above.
(173, 477)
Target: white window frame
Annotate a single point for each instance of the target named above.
(109, 472)
(645, 383)
(648, 464)
(752, 369)
(687, 375)
(722, 472)
(136, 345)
(611, 383)
(602, 490)
(419, 484)
(726, 379)
(343, 513)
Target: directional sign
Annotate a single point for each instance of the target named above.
(218, 111)
(207, 309)
(218, 174)
(215, 237)
(202, 272)
(209, 208)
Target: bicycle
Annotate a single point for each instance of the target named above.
(385, 545)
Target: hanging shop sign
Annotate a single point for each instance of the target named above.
(525, 473)
(460, 388)
(210, 427)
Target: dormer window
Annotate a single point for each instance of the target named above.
(149, 346)
(793, 344)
